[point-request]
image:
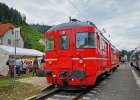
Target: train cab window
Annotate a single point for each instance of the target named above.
(49, 43)
(85, 40)
(64, 42)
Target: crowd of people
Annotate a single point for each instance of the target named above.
(25, 67)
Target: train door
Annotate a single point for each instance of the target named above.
(64, 53)
(107, 55)
(110, 60)
(98, 53)
(84, 47)
(103, 54)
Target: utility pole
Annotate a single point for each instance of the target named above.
(16, 33)
(70, 19)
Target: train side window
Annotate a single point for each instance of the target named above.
(113, 53)
(103, 47)
(98, 42)
(49, 43)
(64, 42)
(85, 40)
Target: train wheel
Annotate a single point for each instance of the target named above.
(108, 74)
(98, 80)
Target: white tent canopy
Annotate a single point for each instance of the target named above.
(6, 52)
(21, 51)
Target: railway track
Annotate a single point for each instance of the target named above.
(57, 93)
(53, 93)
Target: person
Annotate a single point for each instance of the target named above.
(18, 64)
(11, 66)
(43, 63)
(24, 67)
(35, 66)
(30, 66)
(131, 64)
(7, 63)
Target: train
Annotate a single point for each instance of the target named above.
(135, 58)
(76, 54)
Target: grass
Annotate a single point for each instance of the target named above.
(8, 82)
(22, 90)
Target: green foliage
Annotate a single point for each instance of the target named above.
(32, 38)
(125, 52)
(31, 35)
(11, 15)
(7, 82)
(41, 28)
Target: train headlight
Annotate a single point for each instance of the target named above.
(54, 75)
(81, 61)
(50, 62)
(72, 79)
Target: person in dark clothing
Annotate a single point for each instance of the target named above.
(43, 63)
(131, 64)
(35, 66)
(43, 59)
(10, 63)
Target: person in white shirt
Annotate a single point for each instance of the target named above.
(18, 64)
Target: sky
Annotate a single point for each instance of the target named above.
(120, 18)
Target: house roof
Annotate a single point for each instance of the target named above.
(5, 27)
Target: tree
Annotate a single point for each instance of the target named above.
(11, 15)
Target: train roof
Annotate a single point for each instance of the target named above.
(75, 24)
(69, 25)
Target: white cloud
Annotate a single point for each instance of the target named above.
(121, 19)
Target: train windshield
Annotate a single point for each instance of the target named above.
(49, 43)
(64, 42)
(85, 40)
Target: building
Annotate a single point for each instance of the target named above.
(7, 36)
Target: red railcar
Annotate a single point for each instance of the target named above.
(77, 53)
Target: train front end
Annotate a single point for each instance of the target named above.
(70, 55)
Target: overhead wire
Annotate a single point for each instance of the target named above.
(57, 7)
(60, 9)
(78, 10)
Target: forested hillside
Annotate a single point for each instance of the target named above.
(11, 15)
(32, 36)
(41, 28)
